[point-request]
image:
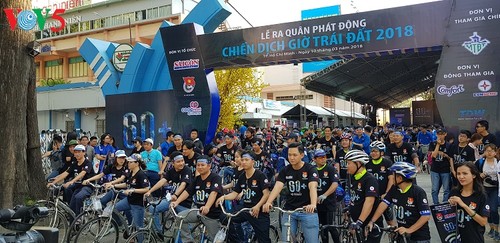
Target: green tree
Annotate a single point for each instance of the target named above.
(232, 85)
(20, 177)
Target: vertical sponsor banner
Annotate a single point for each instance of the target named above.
(445, 218)
(189, 80)
(423, 112)
(400, 116)
(467, 79)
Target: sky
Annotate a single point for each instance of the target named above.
(268, 12)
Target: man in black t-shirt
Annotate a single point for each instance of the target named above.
(482, 128)
(328, 183)
(205, 189)
(226, 154)
(364, 193)
(260, 155)
(461, 152)
(254, 186)
(442, 163)
(340, 162)
(190, 156)
(301, 180)
(411, 206)
(399, 151)
(328, 143)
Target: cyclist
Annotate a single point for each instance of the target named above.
(260, 155)
(340, 162)
(180, 178)
(328, 183)
(115, 173)
(378, 166)
(364, 193)
(78, 171)
(205, 189)
(254, 186)
(471, 201)
(302, 181)
(410, 201)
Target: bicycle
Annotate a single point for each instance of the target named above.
(91, 209)
(176, 233)
(394, 237)
(345, 234)
(148, 234)
(298, 237)
(105, 228)
(222, 234)
(59, 215)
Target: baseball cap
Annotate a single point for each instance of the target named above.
(79, 148)
(441, 130)
(149, 140)
(73, 142)
(120, 153)
(319, 153)
(134, 157)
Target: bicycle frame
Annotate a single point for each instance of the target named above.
(181, 220)
(288, 223)
(230, 216)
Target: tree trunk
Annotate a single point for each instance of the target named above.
(21, 175)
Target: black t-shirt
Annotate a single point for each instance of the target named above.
(191, 163)
(260, 159)
(175, 178)
(381, 173)
(67, 153)
(297, 182)
(327, 145)
(468, 229)
(490, 138)
(137, 181)
(74, 169)
(339, 159)
(252, 187)
(366, 186)
(440, 164)
(327, 175)
(226, 154)
(236, 175)
(246, 143)
(137, 151)
(409, 207)
(173, 149)
(200, 190)
(112, 173)
(401, 154)
(462, 154)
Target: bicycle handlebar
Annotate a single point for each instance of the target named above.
(179, 216)
(96, 186)
(233, 214)
(290, 211)
(389, 228)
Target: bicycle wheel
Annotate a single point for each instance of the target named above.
(168, 222)
(79, 221)
(143, 235)
(58, 217)
(102, 229)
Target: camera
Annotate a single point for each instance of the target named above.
(20, 221)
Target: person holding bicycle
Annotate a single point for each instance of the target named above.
(410, 201)
(254, 186)
(115, 173)
(328, 183)
(471, 201)
(378, 166)
(302, 182)
(206, 188)
(179, 177)
(364, 193)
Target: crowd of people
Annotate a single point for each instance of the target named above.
(298, 168)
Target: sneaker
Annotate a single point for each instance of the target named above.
(491, 234)
(497, 236)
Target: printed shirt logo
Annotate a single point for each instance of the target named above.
(325, 174)
(472, 205)
(186, 64)
(304, 174)
(372, 188)
(208, 184)
(424, 200)
(359, 185)
(254, 182)
(453, 90)
(315, 175)
(382, 168)
(476, 44)
(410, 200)
(189, 84)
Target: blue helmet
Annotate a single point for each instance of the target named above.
(404, 169)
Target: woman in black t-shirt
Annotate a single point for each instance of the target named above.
(470, 198)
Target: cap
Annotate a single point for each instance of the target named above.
(73, 142)
(149, 140)
(204, 159)
(79, 148)
(120, 153)
(319, 153)
(441, 130)
(134, 157)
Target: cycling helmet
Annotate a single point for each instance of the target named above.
(357, 156)
(407, 170)
(378, 145)
(345, 136)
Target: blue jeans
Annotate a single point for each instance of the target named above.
(438, 180)
(163, 207)
(153, 178)
(309, 223)
(492, 193)
(52, 174)
(136, 216)
(80, 194)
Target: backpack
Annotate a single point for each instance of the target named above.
(479, 164)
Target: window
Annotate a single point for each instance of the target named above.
(78, 67)
(54, 69)
(100, 126)
(70, 126)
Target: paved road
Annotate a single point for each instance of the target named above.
(424, 180)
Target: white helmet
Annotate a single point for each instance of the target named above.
(357, 156)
